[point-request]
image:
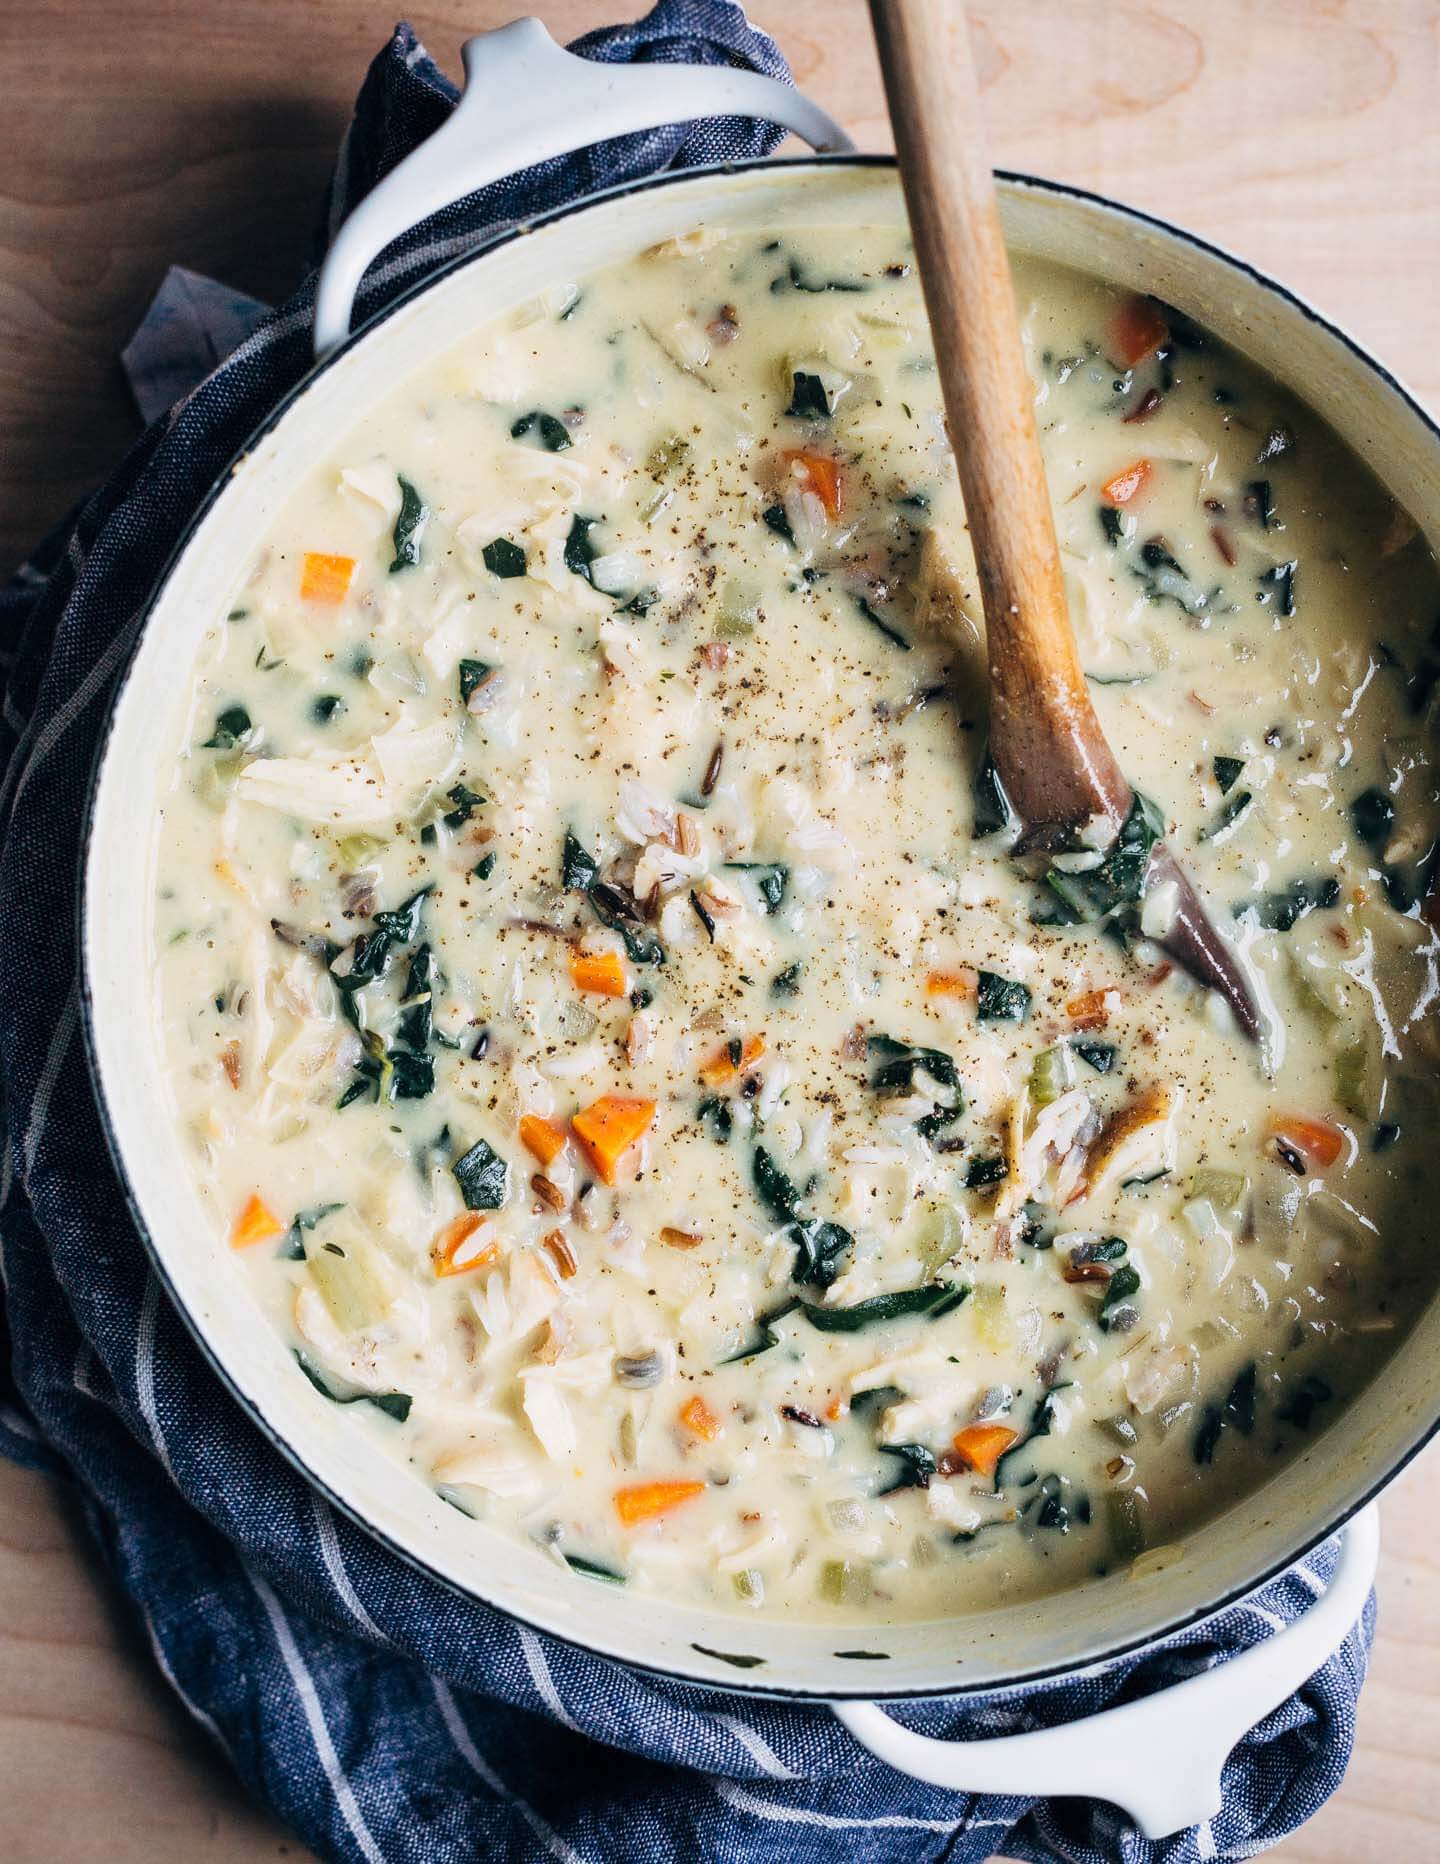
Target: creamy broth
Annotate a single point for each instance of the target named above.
(611, 1025)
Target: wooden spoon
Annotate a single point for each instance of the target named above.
(1046, 741)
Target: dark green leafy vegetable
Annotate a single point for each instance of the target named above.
(878, 621)
(1000, 999)
(1259, 504)
(578, 867)
(466, 802)
(717, 1117)
(765, 1335)
(594, 1569)
(483, 1177)
(504, 559)
(772, 878)
(917, 1466)
(1112, 522)
(1122, 1285)
(485, 866)
(371, 951)
(324, 707)
(896, 1076)
(412, 1076)
(1042, 1422)
(393, 1404)
(702, 915)
(1240, 1401)
(774, 516)
(552, 433)
(1278, 585)
(1235, 807)
(415, 1022)
(818, 1246)
(733, 1658)
(1298, 1406)
(292, 1249)
(786, 983)
(580, 553)
(992, 805)
(1097, 1055)
(473, 674)
(1207, 1435)
(981, 1173)
(1373, 814)
(930, 1125)
(1227, 772)
(230, 727)
(806, 281)
(410, 525)
(618, 910)
(1278, 912)
(1120, 879)
(934, 1299)
(808, 399)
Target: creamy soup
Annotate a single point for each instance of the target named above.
(612, 1026)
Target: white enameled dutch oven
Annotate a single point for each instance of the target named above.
(1159, 1758)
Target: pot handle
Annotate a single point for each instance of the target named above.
(498, 128)
(1158, 1758)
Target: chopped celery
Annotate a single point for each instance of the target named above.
(1356, 1087)
(942, 1234)
(739, 609)
(355, 850)
(355, 1281)
(1051, 1074)
(1125, 1515)
(1224, 1191)
(216, 782)
(750, 1586)
(993, 1326)
(1119, 1427)
(846, 1582)
(666, 455)
(1308, 994)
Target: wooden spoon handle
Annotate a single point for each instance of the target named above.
(1039, 697)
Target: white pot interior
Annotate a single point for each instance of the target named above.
(1225, 1558)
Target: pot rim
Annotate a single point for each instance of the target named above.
(743, 1683)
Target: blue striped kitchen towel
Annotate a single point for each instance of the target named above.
(382, 1716)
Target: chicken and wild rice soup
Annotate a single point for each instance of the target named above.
(616, 1034)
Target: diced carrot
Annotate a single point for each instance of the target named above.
(960, 984)
(643, 1501)
(982, 1445)
(723, 1066)
(541, 1137)
(1136, 330)
(818, 473)
(257, 1223)
(325, 579)
(837, 1408)
(1090, 1010)
(460, 1247)
(1127, 485)
(598, 971)
(609, 1126)
(699, 1419)
(1317, 1140)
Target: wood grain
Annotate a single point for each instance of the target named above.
(1302, 134)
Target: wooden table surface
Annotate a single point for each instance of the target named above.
(1300, 133)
